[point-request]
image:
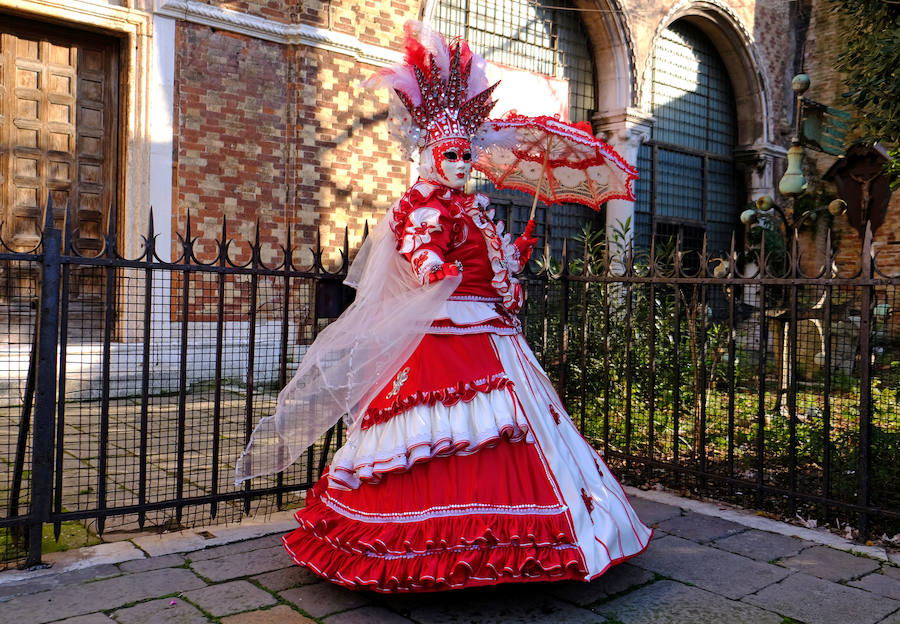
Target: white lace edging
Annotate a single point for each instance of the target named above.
(425, 432)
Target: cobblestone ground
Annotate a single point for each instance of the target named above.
(698, 569)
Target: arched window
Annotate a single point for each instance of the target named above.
(688, 185)
(548, 40)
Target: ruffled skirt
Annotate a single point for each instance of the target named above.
(486, 483)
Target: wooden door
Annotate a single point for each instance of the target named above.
(58, 130)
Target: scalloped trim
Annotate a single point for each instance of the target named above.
(448, 396)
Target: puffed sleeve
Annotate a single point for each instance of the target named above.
(424, 239)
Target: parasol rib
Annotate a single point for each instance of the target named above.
(540, 179)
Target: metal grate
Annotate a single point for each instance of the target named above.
(530, 36)
(687, 173)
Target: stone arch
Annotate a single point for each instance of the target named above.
(737, 50)
(606, 23)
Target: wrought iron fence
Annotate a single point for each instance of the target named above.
(131, 385)
(740, 377)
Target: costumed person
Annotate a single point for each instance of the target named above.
(461, 467)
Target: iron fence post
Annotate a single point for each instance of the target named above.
(45, 389)
(865, 382)
(564, 326)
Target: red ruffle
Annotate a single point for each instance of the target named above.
(449, 396)
(428, 535)
(439, 570)
(452, 522)
(442, 368)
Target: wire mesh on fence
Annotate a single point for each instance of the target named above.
(771, 388)
(768, 387)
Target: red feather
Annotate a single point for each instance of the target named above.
(416, 54)
(465, 53)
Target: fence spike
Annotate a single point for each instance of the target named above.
(289, 249)
(794, 254)
(867, 253)
(48, 212)
(67, 229)
(111, 227)
(762, 256)
(732, 257)
(629, 257)
(317, 252)
(829, 255)
(345, 253)
(678, 253)
(223, 241)
(703, 262)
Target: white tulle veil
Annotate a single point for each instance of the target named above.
(352, 358)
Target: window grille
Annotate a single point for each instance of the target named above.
(688, 184)
(527, 35)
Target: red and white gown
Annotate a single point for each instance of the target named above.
(466, 470)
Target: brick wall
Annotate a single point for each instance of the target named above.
(826, 87)
(283, 134)
(231, 140)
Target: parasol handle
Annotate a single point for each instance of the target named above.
(540, 181)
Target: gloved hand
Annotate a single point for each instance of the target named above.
(448, 269)
(525, 244)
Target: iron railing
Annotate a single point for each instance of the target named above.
(132, 385)
(759, 376)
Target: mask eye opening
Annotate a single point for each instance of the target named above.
(467, 156)
(451, 155)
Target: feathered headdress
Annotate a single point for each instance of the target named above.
(432, 87)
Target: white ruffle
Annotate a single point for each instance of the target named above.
(425, 432)
(468, 312)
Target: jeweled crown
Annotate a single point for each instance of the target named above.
(432, 85)
(444, 112)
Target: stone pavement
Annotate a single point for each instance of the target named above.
(706, 564)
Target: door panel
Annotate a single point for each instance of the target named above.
(58, 130)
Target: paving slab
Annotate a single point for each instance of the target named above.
(668, 602)
(281, 614)
(321, 599)
(81, 599)
(893, 618)
(762, 545)
(215, 552)
(229, 598)
(815, 600)
(651, 512)
(830, 564)
(152, 563)
(700, 528)
(161, 611)
(522, 604)
(53, 581)
(709, 568)
(891, 571)
(286, 578)
(616, 580)
(367, 615)
(197, 539)
(879, 584)
(90, 618)
(240, 564)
